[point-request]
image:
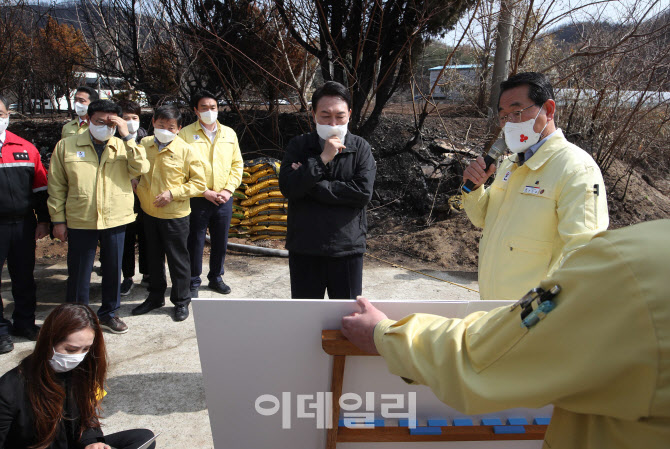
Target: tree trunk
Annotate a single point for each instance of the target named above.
(501, 59)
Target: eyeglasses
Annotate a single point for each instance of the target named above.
(514, 117)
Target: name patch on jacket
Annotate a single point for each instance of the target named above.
(532, 190)
(21, 157)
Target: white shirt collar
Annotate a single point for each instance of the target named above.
(3, 136)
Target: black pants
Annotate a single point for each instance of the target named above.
(311, 276)
(167, 237)
(130, 439)
(17, 247)
(206, 214)
(135, 232)
(82, 244)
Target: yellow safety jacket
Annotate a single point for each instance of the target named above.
(601, 357)
(534, 215)
(175, 168)
(222, 159)
(89, 194)
(72, 128)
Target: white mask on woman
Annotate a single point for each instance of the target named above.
(133, 126)
(101, 132)
(327, 131)
(66, 362)
(521, 136)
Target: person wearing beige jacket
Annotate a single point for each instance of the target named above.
(176, 175)
(601, 356)
(221, 157)
(91, 200)
(547, 199)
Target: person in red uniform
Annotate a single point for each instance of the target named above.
(23, 194)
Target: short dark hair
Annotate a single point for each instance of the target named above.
(331, 89)
(539, 87)
(199, 95)
(4, 101)
(92, 93)
(104, 106)
(168, 112)
(130, 107)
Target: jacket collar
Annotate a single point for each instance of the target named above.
(552, 146)
(169, 147)
(219, 130)
(85, 140)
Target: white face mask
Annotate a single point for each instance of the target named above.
(133, 126)
(80, 109)
(101, 132)
(327, 131)
(208, 117)
(521, 136)
(4, 123)
(164, 136)
(65, 362)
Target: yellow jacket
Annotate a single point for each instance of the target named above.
(72, 128)
(87, 194)
(222, 159)
(602, 356)
(534, 215)
(176, 168)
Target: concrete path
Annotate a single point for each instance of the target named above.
(155, 378)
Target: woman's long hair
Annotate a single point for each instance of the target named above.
(46, 392)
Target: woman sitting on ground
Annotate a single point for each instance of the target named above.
(52, 399)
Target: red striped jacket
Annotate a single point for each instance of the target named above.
(23, 180)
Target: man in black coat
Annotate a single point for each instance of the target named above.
(327, 176)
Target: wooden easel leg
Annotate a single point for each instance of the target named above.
(336, 388)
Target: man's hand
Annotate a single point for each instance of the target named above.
(60, 232)
(134, 182)
(223, 196)
(296, 165)
(163, 199)
(332, 148)
(477, 173)
(211, 196)
(41, 231)
(121, 125)
(98, 446)
(359, 327)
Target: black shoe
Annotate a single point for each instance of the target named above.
(180, 312)
(194, 293)
(29, 333)
(126, 286)
(114, 325)
(219, 287)
(6, 344)
(147, 306)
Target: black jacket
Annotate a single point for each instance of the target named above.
(327, 203)
(17, 428)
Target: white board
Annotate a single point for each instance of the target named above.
(254, 347)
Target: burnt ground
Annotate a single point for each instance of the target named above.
(414, 218)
